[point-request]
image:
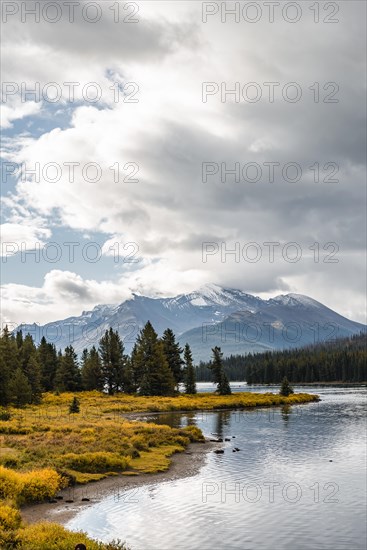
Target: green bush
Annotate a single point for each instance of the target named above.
(94, 463)
(4, 414)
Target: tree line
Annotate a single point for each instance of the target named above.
(156, 366)
(342, 360)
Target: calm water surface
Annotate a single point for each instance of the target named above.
(280, 491)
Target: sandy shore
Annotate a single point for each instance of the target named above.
(185, 464)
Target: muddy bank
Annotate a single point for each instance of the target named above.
(185, 464)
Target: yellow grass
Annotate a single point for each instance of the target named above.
(43, 448)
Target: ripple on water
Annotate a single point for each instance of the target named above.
(280, 490)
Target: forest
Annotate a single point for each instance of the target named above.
(160, 367)
(156, 367)
(341, 360)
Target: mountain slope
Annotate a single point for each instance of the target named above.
(230, 318)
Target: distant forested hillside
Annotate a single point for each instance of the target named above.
(342, 360)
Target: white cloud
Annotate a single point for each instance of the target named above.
(18, 237)
(170, 132)
(16, 110)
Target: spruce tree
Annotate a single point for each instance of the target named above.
(9, 357)
(20, 391)
(223, 387)
(128, 378)
(285, 389)
(92, 375)
(47, 357)
(219, 375)
(29, 361)
(113, 360)
(19, 339)
(155, 376)
(74, 406)
(190, 375)
(33, 373)
(68, 377)
(172, 352)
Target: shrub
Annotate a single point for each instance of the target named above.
(95, 462)
(9, 483)
(30, 486)
(39, 485)
(4, 414)
(50, 536)
(74, 406)
(193, 433)
(10, 518)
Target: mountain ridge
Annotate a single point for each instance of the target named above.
(212, 315)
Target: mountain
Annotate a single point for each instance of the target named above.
(230, 318)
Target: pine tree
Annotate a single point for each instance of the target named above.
(20, 391)
(172, 352)
(219, 375)
(92, 375)
(47, 357)
(190, 376)
(128, 379)
(68, 377)
(33, 374)
(113, 360)
(285, 388)
(19, 339)
(4, 381)
(149, 361)
(30, 365)
(223, 387)
(74, 406)
(9, 362)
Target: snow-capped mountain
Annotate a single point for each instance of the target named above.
(212, 315)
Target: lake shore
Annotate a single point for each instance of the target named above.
(185, 464)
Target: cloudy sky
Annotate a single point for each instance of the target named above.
(163, 135)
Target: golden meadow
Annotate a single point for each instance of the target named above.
(44, 448)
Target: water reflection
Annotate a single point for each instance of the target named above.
(296, 483)
(286, 411)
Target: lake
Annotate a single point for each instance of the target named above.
(298, 483)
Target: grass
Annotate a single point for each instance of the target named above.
(44, 448)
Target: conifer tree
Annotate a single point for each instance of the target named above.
(128, 378)
(9, 362)
(68, 377)
(190, 376)
(74, 406)
(285, 388)
(113, 360)
(29, 361)
(92, 375)
(172, 352)
(219, 375)
(47, 357)
(19, 339)
(223, 387)
(20, 391)
(155, 376)
(33, 373)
